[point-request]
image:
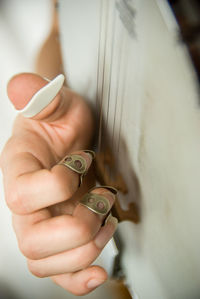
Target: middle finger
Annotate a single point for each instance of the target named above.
(61, 233)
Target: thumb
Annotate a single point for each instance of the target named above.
(34, 96)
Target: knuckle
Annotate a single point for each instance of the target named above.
(15, 200)
(12, 201)
(33, 268)
(29, 249)
(26, 249)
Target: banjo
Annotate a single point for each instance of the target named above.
(126, 58)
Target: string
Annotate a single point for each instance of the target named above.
(103, 78)
(101, 93)
(110, 69)
(117, 91)
(110, 79)
(98, 62)
(125, 73)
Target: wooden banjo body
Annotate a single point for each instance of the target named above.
(127, 59)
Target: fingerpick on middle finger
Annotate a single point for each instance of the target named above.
(90, 218)
(61, 233)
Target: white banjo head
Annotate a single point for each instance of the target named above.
(126, 57)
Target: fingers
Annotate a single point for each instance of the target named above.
(64, 247)
(43, 188)
(81, 282)
(35, 146)
(71, 268)
(75, 259)
(59, 234)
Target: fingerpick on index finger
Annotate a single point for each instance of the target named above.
(43, 188)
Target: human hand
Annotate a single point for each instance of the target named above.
(59, 237)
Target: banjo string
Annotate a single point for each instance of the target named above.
(110, 81)
(98, 98)
(104, 12)
(117, 97)
(101, 92)
(125, 74)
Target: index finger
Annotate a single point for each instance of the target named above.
(39, 188)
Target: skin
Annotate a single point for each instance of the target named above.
(59, 237)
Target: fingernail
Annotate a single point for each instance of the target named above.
(43, 97)
(109, 219)
(112, 220)
(106, 232)
(93, 283)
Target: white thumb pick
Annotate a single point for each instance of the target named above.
(43, 97)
